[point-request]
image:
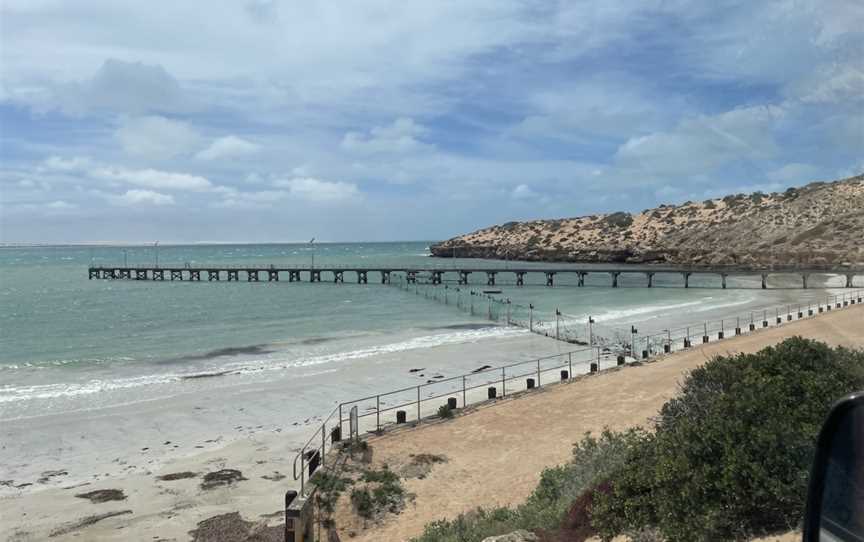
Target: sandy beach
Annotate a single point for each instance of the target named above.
(492, 457)
(496, 453)
(254, 429)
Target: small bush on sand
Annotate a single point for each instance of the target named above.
(445, 412)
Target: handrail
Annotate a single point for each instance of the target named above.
(651, 338)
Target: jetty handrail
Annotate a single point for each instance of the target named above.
(515, 266)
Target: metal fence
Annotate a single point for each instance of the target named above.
(416, 403)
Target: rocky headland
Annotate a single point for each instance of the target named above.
(818, 225)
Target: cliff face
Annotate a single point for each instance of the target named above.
(819, 224)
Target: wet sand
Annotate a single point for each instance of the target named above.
(496, 453)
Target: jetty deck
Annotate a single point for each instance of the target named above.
(439, 274)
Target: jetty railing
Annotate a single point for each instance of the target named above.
(419, 402)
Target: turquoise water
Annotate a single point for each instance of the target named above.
(92, 371)
(67, 342)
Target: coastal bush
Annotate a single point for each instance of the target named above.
(731, 454)
(594, 459)
(379, 492)
(445, 412)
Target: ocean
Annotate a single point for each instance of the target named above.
(91, 369)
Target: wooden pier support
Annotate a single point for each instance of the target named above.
(252, 275)
(650, 279)
(686, 279)
(520, 278)
(195, 274)
(581, 275)
(615, 275)
(315, 275)
(92, 274)
(158, 274)
(140, 274)
(385, 277)
(849, 281)
(764, 281)
(125, 273)
(550, 279)
(338, 277)
(463, 277)
(176, 274)
(233, 275)
(212, 274)
(437, 277)
(804, 279)
(362, 277)
(293, 276)
(490, 278)
(272, 275)
(412, 277)
(723, 280)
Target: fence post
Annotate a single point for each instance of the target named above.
(378, 412)
(323, 441)
(538, 373)
(340, 419)
(418, 404)
(570, 364)
(503, 383)
(464, 401)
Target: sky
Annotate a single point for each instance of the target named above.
(278, 121)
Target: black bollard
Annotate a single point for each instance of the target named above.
(838, 304)
(779, 320)
(719, 334)
(704, 338)
(737, 331)
(336, 434)
(845, 303)
(789, 317)
(764, 323)
(593, 367)
(565, 375)
(667, 348)
(809, 312)
(491, 391)
(752, 327)
(620, 360)
(644, 354)
(800, 315)
(821, 309)
(687, 343)
(529, 383)
(451, 403)
(401, 416)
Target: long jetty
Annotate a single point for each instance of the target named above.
(437, 275)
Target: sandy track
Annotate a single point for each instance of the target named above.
(497, 452)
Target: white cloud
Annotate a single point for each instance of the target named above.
(703, 143)
(142, 197)
(523, 192)
(399, 137)
(153, 178)
(316, 190)
(67, 165)
(156, 138)
(228, 147)
(61, 205)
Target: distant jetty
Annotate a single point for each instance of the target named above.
(818, 225)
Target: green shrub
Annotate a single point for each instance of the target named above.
(361, 498)
(594, 459)
(731, 454)
(445, 412)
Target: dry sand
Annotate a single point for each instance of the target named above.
(496, 453)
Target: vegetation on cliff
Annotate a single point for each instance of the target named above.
(818, 224)
(728, 459)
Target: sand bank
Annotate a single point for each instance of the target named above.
(497, 452)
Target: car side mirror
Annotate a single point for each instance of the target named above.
(835, 498)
